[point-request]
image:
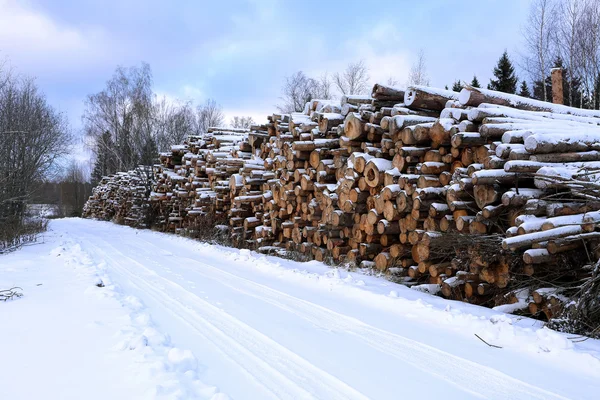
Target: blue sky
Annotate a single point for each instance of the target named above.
(238, 52)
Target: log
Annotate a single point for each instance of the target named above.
(473, 97)
(568, 243)
(383, 261)
(557, 85)
(428, 98)
(518, 242)
(385, 92)
(354, 126)
(567, 157)
(442, 131)
(356, 99)
(537, 256)
(374, 171)
(552, 142)
(315, 144)
(397, 123)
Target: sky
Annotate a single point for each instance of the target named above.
(239, 52)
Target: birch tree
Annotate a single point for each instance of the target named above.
(209, 114)
(539, 40)
(242, 122)
(418, 72)
(589, 55)
(354, 79)
(568, 38)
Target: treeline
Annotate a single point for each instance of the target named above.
(129, 124)
(65, 194)
(299, 88)
(558, 34)
(33, 137)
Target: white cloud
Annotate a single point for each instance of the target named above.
(381, 48)
(384, 53)
(39, 45)
(184, 94)
(191, 92)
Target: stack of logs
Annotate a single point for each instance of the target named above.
(122, 198)
(476, 194)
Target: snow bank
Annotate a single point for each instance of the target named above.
(118, 354)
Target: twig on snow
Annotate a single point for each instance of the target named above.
(8, 294)
(491, 345)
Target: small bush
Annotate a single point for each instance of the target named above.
(16, 232)
(582, 316)
(211, 228)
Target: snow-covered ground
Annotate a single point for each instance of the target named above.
(178, 319)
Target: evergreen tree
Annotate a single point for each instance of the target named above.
(506, 80)
(457, 86)
(596, 95)
(149, 152)
(578, 100)
(475, 82)
(105, 161)
(446, 87)
(524, 90)
(97, 172)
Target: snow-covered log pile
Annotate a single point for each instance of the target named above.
(193, 179)
(479, 194)
(122, 198)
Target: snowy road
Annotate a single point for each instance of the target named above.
(259, 327)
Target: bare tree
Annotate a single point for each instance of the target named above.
(589, 57)
(128, 124)
(392, 81)
(296, 91)
(354, 79)
(299, 88)
(242, 122)
(4, 73)
(322, 87)
(418, 71)
(539, 40)
(569, 38)
(565, 32)
(208, 115)
(123, 110)
(74, 189)
(173, 122)
(33, 136)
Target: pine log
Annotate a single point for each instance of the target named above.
(428, 98)
(354, 126)
(385, 92)
(517, 242)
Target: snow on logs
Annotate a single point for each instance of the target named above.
(404, 181)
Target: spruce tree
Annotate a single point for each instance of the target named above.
(475, 82)
(506, 80)
(596, 95)
(524, 90)
(105, 160)
(149, 152)
(572, 95)
(457, 86)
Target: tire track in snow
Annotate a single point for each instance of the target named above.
(468, 376)
(280, 371)
(485, 382)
